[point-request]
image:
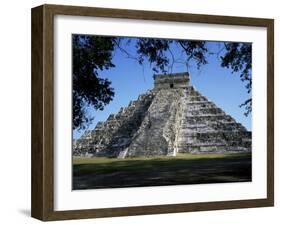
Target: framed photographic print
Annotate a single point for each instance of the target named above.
(141, 112)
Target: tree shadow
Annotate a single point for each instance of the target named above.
(131, 173)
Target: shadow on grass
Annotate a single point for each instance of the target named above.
(162, 171)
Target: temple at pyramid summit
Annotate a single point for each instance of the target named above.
(171, 118)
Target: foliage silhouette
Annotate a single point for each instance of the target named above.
(92, 54)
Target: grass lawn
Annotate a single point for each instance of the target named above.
(97, 172)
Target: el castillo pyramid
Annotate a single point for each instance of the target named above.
(171, 118)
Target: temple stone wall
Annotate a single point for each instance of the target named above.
(172, 118)
(170, 81)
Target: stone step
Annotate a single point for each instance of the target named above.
(208, 119)
(197, 107)
(203, 135)
(188, 102)
(211, 127)
(221, 135)
(210, 144)
(212, 148)
(197, 98)
(219, 141)
(204, 111)
(189, 115)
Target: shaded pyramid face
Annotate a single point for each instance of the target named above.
(171, 118)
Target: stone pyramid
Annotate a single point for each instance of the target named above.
(171, 118)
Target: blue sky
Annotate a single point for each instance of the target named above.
(129, 80)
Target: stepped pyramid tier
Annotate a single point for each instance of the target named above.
(171, 118)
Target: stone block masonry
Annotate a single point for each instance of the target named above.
(171, 118)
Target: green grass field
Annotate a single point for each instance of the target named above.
(97, 172)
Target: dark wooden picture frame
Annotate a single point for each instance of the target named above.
(42, 203)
